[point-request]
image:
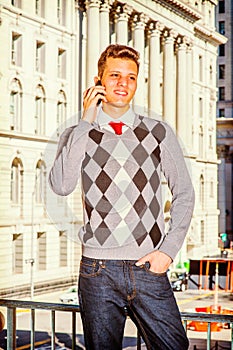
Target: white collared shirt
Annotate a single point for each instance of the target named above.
(128, 118)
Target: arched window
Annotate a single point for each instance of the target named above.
(201, 192)
(40, 182)
(201, 142)
(39, 125)
(61, 111)
(15, 105)
(17, 181)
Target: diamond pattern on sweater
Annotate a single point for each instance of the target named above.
(140, 180)
(103, 181)
(141, 131)
(155, 234)
(96, 136)
(139, 154)
(101, 157)
(120, 182)
(102, 233)
(159, 132)
(121, 233)
(103, 206)
(139, 233)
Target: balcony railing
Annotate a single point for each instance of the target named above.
(13, 305)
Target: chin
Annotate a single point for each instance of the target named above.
(119, 104)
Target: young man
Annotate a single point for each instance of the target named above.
(125, 250)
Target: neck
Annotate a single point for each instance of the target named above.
(115, 111)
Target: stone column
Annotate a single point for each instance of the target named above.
(139, 23)
(154, 98)
(189, 87)
(122, 15)
(222, 151)
(93, 38)
(169, 92)
(181, 118)
(104, 25)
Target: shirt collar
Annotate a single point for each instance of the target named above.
(128, 118)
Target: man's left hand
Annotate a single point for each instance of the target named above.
(159, 261)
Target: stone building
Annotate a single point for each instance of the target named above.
(50, 56)
(224, 20)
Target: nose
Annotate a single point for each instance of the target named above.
(122, 81)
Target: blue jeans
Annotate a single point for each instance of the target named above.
(107, 288)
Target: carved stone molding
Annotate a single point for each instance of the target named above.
(222, 151)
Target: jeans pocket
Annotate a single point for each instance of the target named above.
(146, 267)
(88, 270)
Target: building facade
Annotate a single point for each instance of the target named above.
(224, 24)
(51, 51)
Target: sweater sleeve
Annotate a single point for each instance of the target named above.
(176, 173)
(65, 172)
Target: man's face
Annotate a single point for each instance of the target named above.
(120, 81)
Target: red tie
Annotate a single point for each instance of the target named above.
(117, 127)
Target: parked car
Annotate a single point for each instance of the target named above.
(179, 280)
(70, 296)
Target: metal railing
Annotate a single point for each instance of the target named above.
(13, 305)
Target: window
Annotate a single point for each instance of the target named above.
(200, 107)
(16, 49)
(221, 27)
(40, 56)
(40, 182)
(41, 251)
(201, 142)
(61, 64)
(16, 181)
(221, 71)
(17, 253)
(39, 126)
(63, 248)
(211, 188)
(221, 113)
(200, 68)
(221, 92)
(201, 191)
(39, 8)
(61, 111)
(202, 224)
(61, 12)
(221, 6)
(211, 73)
(210, 142)
(16, 3)
(221, 50)
(16, 105)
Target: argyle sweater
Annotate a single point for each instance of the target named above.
(121, 187)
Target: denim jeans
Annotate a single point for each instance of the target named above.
(107, 288)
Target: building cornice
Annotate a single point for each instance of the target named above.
(209, 34)
(179, 5)
(25, 137)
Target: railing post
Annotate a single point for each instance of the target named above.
(32, 329)
(73, 330)
(11, 328)
(209, 336)
(231, 327)
(53, 329)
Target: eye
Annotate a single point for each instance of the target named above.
(132, 78)
(115, 75)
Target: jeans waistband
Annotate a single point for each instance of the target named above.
(107, 262)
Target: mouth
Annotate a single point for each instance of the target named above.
(121, 93)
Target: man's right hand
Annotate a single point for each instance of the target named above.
(91, 97)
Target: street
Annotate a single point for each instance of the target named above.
(187, 301)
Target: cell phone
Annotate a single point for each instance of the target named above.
(99, 83)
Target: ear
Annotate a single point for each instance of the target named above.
(96, 79)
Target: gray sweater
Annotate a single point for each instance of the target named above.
(121, 187)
